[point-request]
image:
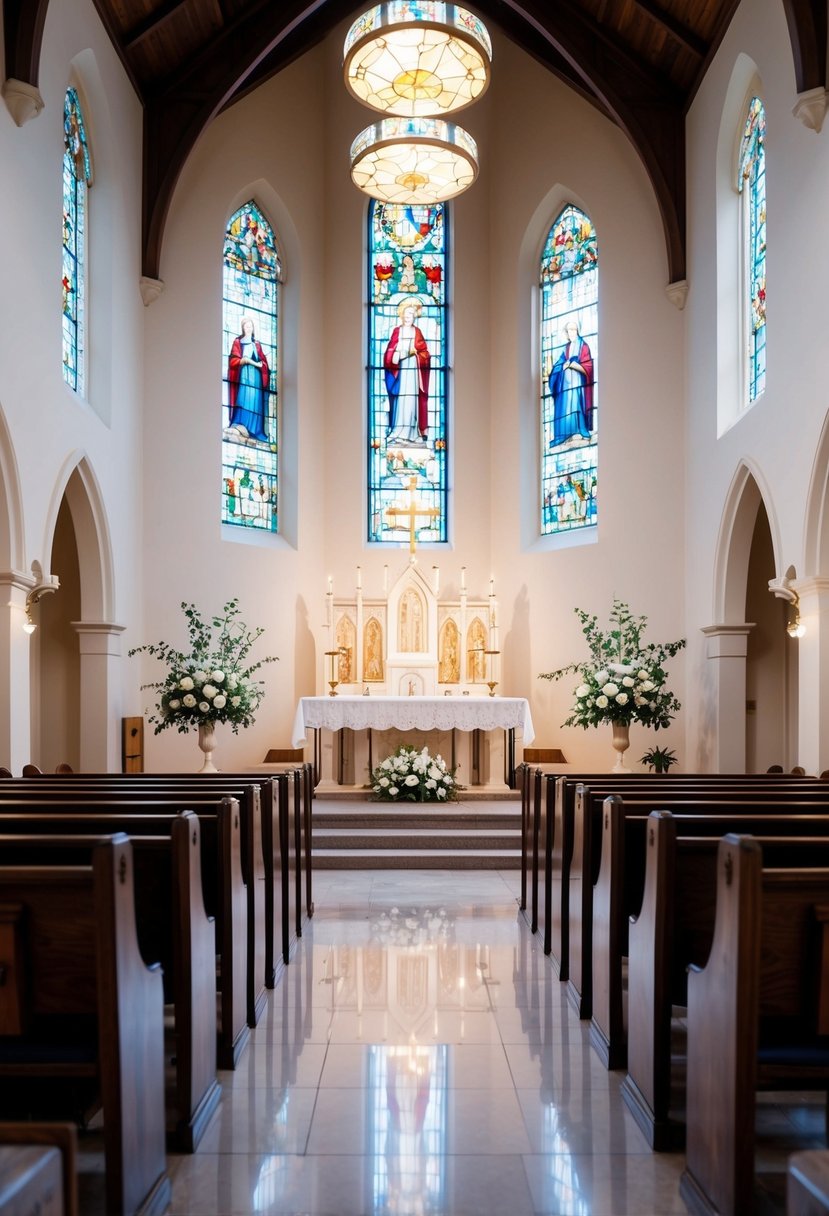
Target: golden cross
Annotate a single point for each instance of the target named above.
(414, 511)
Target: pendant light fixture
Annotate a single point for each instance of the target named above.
(416, 61)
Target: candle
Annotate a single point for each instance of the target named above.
(359, 578)
(463, 578)
(492, 586)
(385, 580)
(330, 585)
(436, 578)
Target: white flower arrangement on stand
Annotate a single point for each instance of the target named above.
(410, 775)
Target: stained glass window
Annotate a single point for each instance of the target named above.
(407, 343)
(77, 176)
(569, 352)
(250, 434)
(751, 182)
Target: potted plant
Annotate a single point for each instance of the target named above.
(659, 759)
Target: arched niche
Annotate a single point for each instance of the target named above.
(476, 642)
(449, 653)
(346, 643)
(373, 653)
(739, 517)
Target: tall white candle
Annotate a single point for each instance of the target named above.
(436, 579)
(359, 578)
(463, 578)
(385, 580)
(330, 585)
(492, 586)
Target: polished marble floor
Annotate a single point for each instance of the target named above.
(419, 1057)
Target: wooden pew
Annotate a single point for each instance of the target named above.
(173, 929)
(758, 1016)
(586, 854)
(807, 1187)
(60, 1136)
(672, 930)
(223, 885)
(75, 956)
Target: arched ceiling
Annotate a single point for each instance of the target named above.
(639, 61)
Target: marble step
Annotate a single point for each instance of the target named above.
(416, 859)
(430, 838)
(398, 819)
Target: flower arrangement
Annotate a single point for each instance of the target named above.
(410, 775)
(624, 679)
(213, 683)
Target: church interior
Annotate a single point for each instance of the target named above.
(411, 442)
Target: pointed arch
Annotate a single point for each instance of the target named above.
(816, 522)
(78, 483)
(746, 492)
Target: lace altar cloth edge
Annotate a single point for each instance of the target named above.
(413, 713)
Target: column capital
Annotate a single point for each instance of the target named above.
(816, 588)
(727, 641)
(18, 579)
(98, 637)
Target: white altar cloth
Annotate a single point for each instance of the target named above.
(413, 713)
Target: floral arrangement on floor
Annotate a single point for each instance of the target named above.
(213, 683)
(410, 775)
(624, 680)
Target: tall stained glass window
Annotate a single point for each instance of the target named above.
(407, 372)
(569, 351)
(77, 177)
(250, 433)
(751, 182)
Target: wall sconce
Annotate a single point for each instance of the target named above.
(783, 589)
(34, 597)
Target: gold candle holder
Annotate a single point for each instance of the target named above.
(334, 656)
(491, 683)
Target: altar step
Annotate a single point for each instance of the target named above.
(367, 837)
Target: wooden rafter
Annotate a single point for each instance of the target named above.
(676, 29)
(807, 23)
(151, 23)
(23, 22)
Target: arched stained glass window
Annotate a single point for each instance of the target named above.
(77, 177)
(407, 371)
(751, 182)
(250, 433)
(569, 351)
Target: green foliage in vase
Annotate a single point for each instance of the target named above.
(659, 759)
(625, 678)
(213, 682)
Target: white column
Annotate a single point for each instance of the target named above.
(813, 675)
(15, 678)
(727, 648)
(99, 645)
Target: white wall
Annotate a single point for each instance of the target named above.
(778, 437)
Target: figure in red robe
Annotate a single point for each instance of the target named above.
(407, 362)
(248, 377)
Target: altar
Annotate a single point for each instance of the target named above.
(476, 735)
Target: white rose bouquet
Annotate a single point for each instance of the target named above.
(625, 679)
(414, 776)
(214, 682)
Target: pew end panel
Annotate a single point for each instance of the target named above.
(62, 1136)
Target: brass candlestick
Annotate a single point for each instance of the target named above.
(333, 655)
(492, 684)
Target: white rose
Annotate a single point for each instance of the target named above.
(219, 701)
(610, 689)
(622, 698)
(639, 701)
(431, 784)
(376, 789)
(384, 781)
(232, 681)
(412, 780)
(601, 676)
(601, 702)
(394, 791)
(174, 704)
(435, 773)
(209, 690)
(447, 780)
(189, 700)
(582, 690)
(628, 682)
(642, 675)
(235, 702)
(200, 676)
(441, 792)
(217, 676)
(204, 707)
(647, 686)
(186, 683)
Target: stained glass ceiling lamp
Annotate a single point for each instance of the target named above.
(413, 161)
(417, 59)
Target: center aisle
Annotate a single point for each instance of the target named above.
(419, 1057)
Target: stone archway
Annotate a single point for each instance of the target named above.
(15, 725)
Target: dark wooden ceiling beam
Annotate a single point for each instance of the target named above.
(676, 29)
(151, 23)
(105, 11)
(23, 22)
(807, 24)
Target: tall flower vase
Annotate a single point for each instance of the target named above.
(621, 742)
(207, 744)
